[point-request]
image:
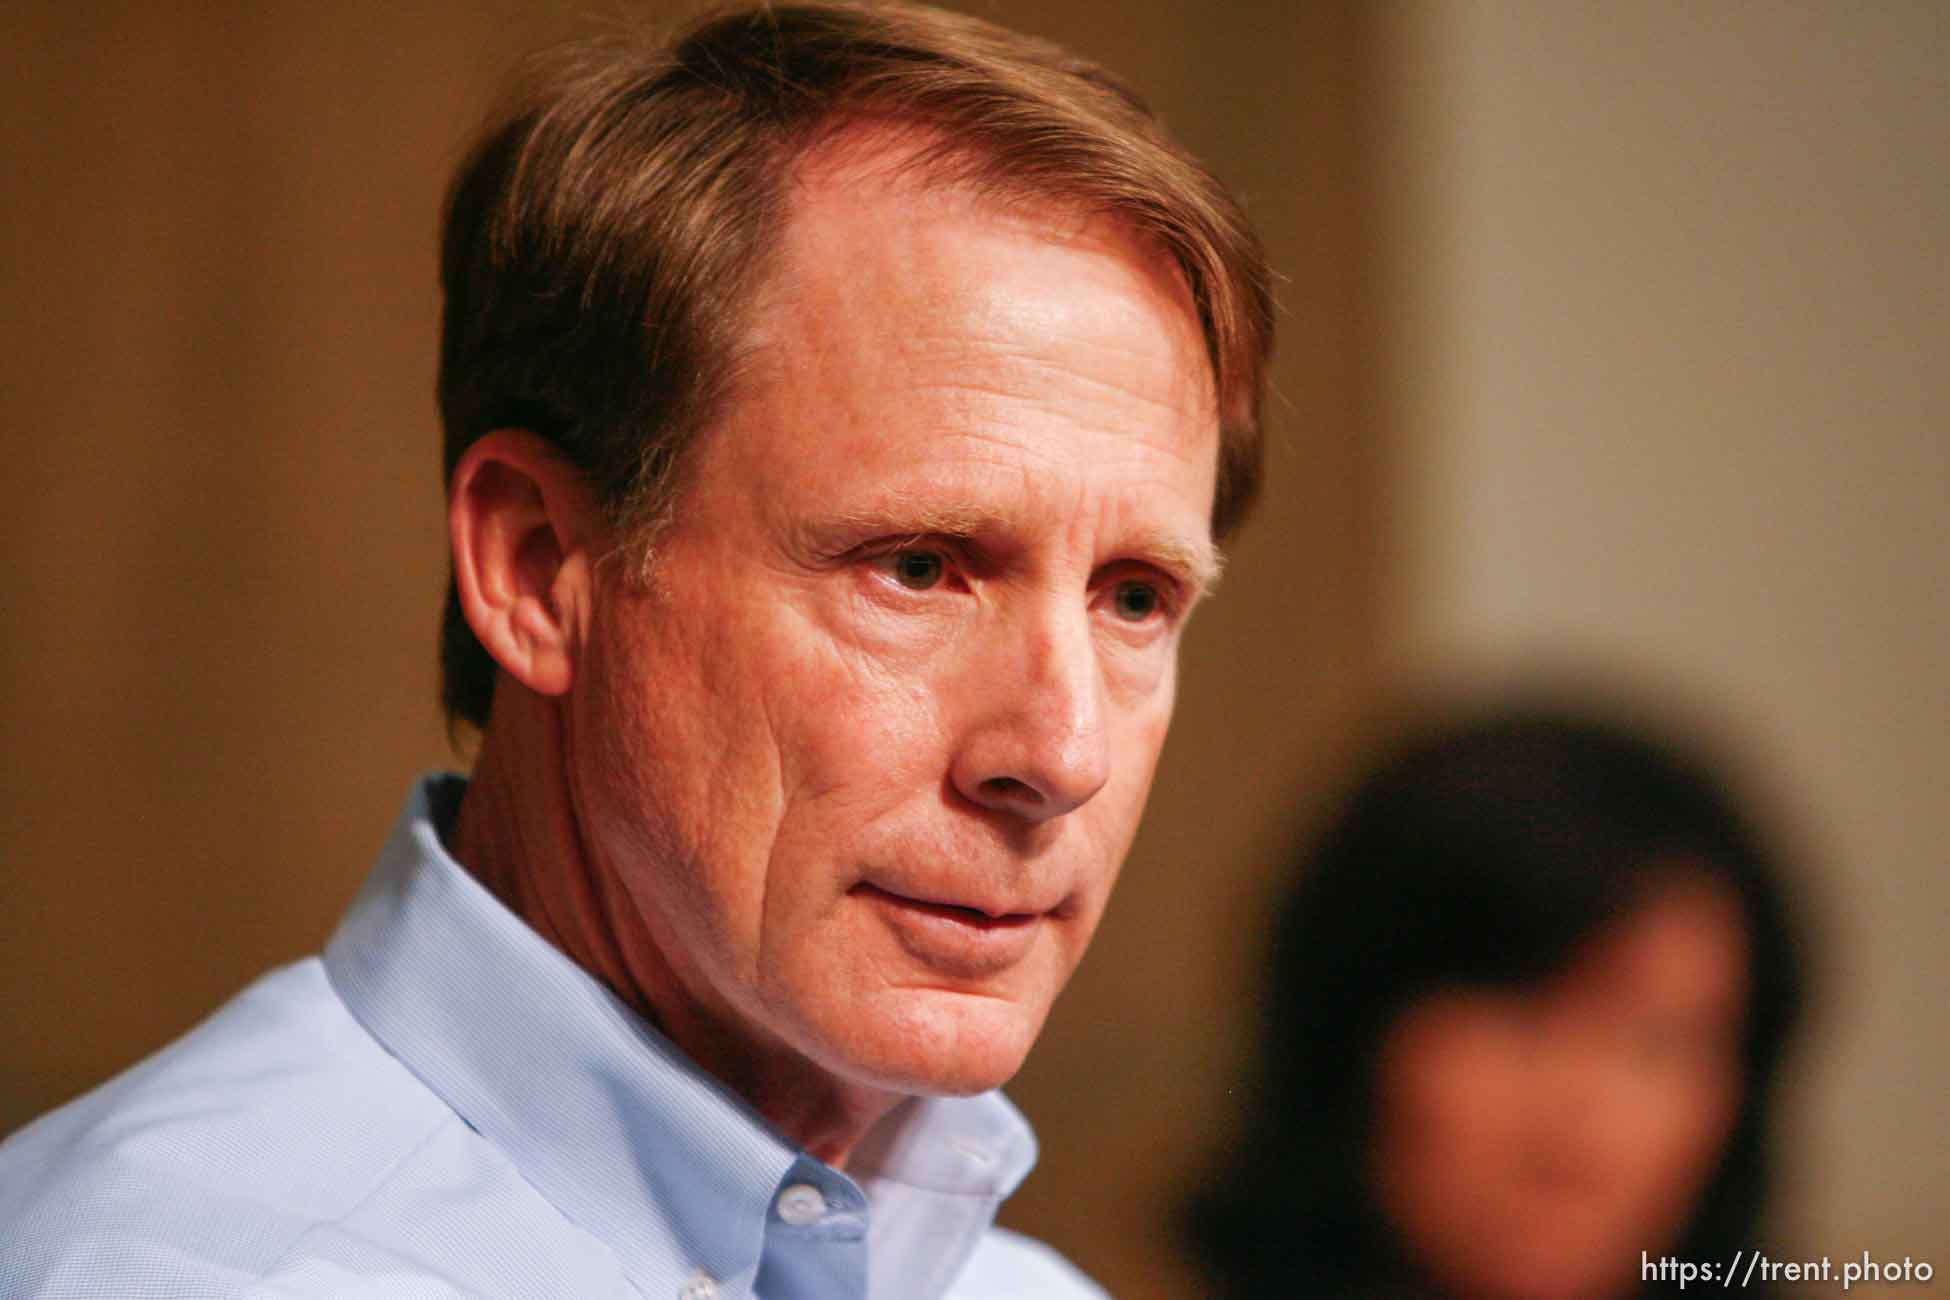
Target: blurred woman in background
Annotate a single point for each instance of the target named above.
(1527, 1008)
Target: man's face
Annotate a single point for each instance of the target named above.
(861, 761)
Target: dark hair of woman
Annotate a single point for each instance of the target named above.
(1479, 855)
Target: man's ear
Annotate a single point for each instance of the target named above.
(523, 524)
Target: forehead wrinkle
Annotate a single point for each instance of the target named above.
(1006, 331)
(968, 402)
(1022, 382)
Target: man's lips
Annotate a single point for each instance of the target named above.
(958, 941)
(964, 913)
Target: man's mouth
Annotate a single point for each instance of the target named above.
(962, 913)
(959, 940)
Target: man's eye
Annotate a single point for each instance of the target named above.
(915, 570)
(1136, 601)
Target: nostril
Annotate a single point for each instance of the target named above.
(1009, 786)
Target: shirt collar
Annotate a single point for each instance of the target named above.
(607, 1118)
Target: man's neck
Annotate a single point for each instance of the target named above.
(516, 833)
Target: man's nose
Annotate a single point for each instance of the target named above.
(1037, 746)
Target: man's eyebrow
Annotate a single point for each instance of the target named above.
(1197, 563)
(831, 533)
(914, 517)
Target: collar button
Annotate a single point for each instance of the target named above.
(801, 1204)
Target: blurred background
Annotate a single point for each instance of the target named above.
(1613, 353)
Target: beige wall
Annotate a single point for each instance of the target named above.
(1664, 317)
(223, 551)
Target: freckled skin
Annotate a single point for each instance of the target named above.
(777, 739)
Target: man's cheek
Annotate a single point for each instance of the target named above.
(871, 725)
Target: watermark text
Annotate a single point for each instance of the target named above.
(1748, 1267)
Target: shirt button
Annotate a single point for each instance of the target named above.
(801, 1204)
(698, 1286)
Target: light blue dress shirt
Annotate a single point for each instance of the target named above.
(444, 1105)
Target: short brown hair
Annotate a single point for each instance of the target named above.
(604, 236)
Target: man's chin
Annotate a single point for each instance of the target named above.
(949, 1045)
(963, 1074)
